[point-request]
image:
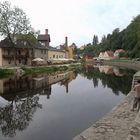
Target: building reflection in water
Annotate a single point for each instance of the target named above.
(19, 99)
(29, 85)
(111, 77)
(110, 70)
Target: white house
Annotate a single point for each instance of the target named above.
(117, 53)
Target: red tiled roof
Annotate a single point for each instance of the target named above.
(120, 50)
(110, 53)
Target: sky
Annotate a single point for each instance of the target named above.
(79, 20)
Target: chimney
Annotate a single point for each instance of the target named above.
(66, 41)
(46, 31)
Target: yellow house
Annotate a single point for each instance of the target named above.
(70, 52)
(55, 54)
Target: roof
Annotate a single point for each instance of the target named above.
(58, 50)
(43, 37)
(110, 53)
(119, 50)
(89, 54)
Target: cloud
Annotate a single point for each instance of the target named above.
(78, 19)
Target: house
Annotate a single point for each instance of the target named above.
(21, 55)
(82, 47)
(101, 55)
(44, 39)
(68, 49)
(88, 57)
(117, 52)
(108, 55)
(70, 52)
(26, 50)
(55, 54)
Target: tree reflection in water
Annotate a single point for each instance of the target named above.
(17, 115)
(119, 80)
(23, 95)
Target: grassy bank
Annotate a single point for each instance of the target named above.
(47, 70)
(6, 72)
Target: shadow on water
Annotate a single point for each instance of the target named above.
(20, 96)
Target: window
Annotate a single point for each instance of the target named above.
(19, 61)
(9, 61)
(19, 52)
(25, 43)
(8, 51)
(53, 56)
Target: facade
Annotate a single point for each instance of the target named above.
(15, 56)
(108, 55)
(54, 54)
(44, 39)
(24, 52)
(21, 56)
(82, 47)
(88, 57)
(101, 55)
(41, 52)
(117, 53)
(68, 49)
(70, 52)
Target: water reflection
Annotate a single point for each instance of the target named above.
(112, 77)
(20, 99)
(32, 85)
(20, 96)
(17, 115)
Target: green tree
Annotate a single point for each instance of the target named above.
(13, 21)
(95, 40)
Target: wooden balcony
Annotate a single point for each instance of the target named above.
(7, 56)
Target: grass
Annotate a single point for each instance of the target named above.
(6, 73)
(41, 70)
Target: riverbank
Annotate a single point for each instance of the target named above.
(27, 70)
(120, 124)
(132, 64)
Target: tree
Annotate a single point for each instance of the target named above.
(13, 21)
(95, 40)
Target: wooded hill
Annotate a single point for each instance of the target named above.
(127, 39)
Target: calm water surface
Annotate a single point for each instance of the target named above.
(61, 106)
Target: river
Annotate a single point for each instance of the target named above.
(59, 106)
